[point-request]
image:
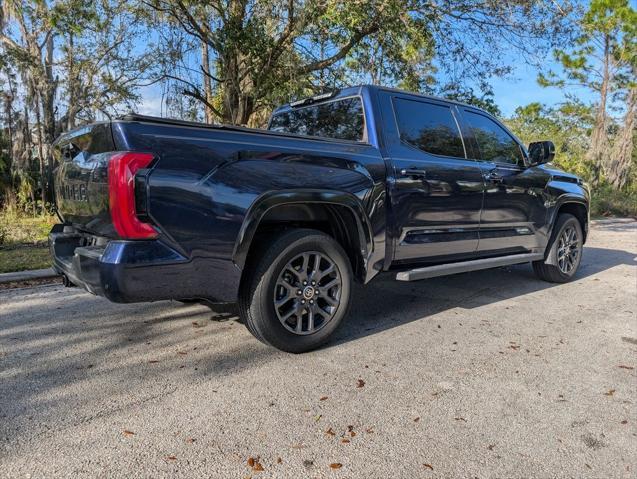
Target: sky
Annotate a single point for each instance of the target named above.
(522, 88)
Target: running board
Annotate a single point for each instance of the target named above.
(465, 266)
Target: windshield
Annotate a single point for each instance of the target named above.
(340, 119)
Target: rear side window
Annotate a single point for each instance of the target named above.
(494, 142)
(429, 127)
(340, 119)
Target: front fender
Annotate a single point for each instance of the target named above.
(564, 201)
(272, 199)
(582, 199)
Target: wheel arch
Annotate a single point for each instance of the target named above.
(575, 206)
(339, 214)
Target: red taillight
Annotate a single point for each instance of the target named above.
(121, 195)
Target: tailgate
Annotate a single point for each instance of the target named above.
(81, 178)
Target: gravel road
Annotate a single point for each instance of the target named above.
(486, 374)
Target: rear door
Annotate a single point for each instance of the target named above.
(513, 210)
(436, 191)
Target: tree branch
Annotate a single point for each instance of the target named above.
(342, 53)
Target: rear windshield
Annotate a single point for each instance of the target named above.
(340, 119)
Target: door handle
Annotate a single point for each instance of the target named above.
(493, 177)
(414, 172)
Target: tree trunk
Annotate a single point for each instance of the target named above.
(38, 122)
(72, 86)
(237, 92)
(599, 140)
(207, 83)
(9, 112)
(48, 110)
(620, 161)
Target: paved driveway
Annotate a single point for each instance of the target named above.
(487, 374)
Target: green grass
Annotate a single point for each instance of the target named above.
(24, 257)
(18, 228)
(23, 241)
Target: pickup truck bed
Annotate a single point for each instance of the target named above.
(366, 180)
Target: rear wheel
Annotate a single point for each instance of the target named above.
(296, 290)
(565, 251)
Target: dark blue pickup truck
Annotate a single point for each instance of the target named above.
(341, 187)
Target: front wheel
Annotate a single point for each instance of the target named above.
(296, 290)
(565, 251)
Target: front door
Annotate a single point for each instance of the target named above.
(513, 211)
(436, 191)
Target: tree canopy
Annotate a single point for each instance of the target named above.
(64, 63)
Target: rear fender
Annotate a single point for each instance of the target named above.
(272, 199)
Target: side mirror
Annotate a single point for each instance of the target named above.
(541, 152)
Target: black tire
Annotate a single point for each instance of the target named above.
(269, 275)
(554, 269)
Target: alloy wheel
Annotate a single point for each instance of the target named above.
(568, 250)
(307, 293)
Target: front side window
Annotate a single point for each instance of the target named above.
(339, 119)
(494, 142)
(429, 127)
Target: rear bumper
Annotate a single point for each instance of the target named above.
(134, 271)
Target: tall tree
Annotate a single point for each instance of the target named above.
(32, 48)
(600, 61)
(622, 156)
(80, 49)
(261, 48)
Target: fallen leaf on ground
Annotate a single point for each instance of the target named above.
(128, 433)
(152, 361)
(171, 458)
(336, 465)
(345, 441)
(258, 467)
(416, 419)
(323, 398)
(183, 353)
(460, 419)
(279, 460)
(251, 462)
(318, 418)
(490, 447)
(428, 466)
(610, 392)
(330, 432)
(190, 440)
(369, 430)
(623, 366)
(360, 383)
(625, 421)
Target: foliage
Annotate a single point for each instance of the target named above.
(607, 201)
(603, 58)
(264, 52)
(64, 63)
(568, 125)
